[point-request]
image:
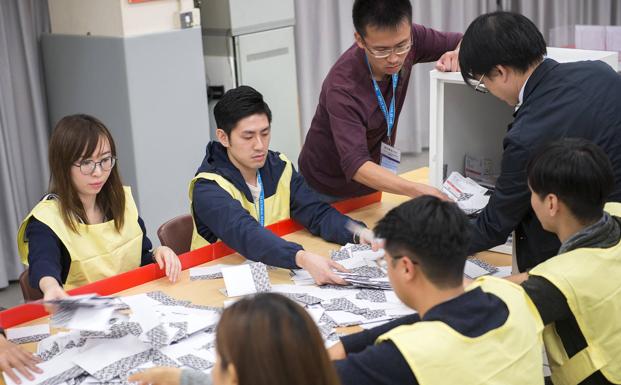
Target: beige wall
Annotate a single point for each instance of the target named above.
(115, 17)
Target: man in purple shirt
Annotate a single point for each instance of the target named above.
(349, 149)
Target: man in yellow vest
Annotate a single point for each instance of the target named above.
(486, 333)
(241, 187)
(578, 291)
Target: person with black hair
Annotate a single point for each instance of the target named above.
(578, 292)
(241, 187)
(505, 54)
(486, 333)
(349, 150)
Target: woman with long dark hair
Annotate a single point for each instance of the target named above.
(87, 227)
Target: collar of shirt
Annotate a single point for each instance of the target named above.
(521, 95)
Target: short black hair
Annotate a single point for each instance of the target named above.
(381, 14)
(431, 232)
(237, 104)
(577, 171)
(500, 38)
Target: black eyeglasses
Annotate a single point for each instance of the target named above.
(88, 166)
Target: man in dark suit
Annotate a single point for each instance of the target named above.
(505, 54)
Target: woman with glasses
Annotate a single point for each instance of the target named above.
(87, 227)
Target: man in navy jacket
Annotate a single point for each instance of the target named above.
(506, 53)
(241, 187)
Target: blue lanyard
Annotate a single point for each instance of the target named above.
(261, 210)
(389, 115)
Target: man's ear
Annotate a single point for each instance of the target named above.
(223, 138)
(359, 40)
(409, 269)
(552, 204)
(503, 73)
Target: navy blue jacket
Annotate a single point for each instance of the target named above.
(581, 99)
(218, 216)
(472, 314)
(48, 256)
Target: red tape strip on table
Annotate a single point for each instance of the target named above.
(28, 312)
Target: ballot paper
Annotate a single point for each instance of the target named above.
(26, 334)
(469, 196)
(503, 271)
(301, 277)
(102, 359)
(84, 312)
(246, 279)
(475, 268)
(210, 272)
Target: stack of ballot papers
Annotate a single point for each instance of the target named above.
(468, 194)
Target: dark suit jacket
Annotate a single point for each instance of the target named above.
(580, 99)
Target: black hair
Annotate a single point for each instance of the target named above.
(381, 14)
(237, 104)
(577, 171)
(500, 38)
(432, 233)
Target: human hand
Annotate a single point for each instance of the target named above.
(157, 376)
(13, 357)
(367, 237)
(337, 352)
(166, 258)
(320, 268)
(51, 290)
(423, 189)
(449, 62)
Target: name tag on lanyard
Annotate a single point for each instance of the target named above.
(261, 204)
(390, 157)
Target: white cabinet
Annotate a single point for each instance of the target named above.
(463, 121)
(267, 63)
(248, 42)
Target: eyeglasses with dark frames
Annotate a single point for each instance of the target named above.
(88, 166)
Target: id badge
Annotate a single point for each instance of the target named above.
(390, 157)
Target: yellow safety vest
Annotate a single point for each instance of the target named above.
(589, 280)
(509, 354)
(277, 206)
(97, 251)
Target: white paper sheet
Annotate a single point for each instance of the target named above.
(369, 255)
(469, 195)
(103, 354)
(238, 280)
(503, 271)
(315, 311)
(94, 319)
(474, 271)
(27, 331)
(345, 317)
